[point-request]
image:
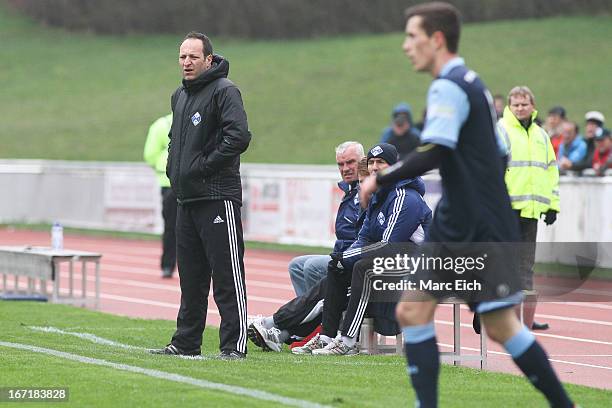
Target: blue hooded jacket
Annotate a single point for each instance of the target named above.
(396, 213)
(347, 218)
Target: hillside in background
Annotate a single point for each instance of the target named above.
(280, 19)
(85, 97)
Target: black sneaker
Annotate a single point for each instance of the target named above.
(167, 273)
(172, 350)
(231, 355)
(539, 326)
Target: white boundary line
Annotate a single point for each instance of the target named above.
(107, 342)
(87, 336)
(231, 389)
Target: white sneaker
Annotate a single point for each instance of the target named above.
(313, 344)
(267, 339)
(337, 348)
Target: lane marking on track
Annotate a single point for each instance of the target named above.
(550, 359)
(574, 319)
(555, 336)
(568, 319)
(167, 376)
(64, 290)
(590, 305)
(151, 270)
(175, 288)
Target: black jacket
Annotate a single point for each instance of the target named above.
(209, 132)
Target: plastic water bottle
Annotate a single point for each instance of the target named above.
(57, 236)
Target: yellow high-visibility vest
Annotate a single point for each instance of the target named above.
(532, 176)
(156, 148)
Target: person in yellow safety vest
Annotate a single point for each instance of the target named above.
(156, 155)
(532, 179)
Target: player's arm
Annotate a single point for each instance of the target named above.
(421, 160)
(361, 246)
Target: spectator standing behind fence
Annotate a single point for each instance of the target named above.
(593, 122)
(573, 149)
(156, 155)
(209, 132)
(307, 270)
(552, 126)
(532, 179)
(499, 103)
(602, 159)
(401, 134)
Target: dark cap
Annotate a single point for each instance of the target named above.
(557, 110)
(384, 151)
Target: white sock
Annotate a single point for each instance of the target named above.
(349, 341)
(268, 322)
(325, 339)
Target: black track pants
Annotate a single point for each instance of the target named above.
(210, 244)
(168, 259)
(301, 315)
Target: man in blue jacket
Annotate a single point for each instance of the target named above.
(306, 271)
(397, 214)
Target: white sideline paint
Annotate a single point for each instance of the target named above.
(103, 341)
(163, 375)
(87, 336)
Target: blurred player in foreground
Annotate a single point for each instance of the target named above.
(460, 139)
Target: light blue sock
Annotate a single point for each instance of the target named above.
(519, 343)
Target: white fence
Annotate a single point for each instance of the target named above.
(282, 203)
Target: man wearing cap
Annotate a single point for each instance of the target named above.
(396, 214)
(556, 116)
(401, 133)
(573, 149)
(602, 159)
(594, 121)
(532, 179)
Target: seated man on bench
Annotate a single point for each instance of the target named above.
(395, 214)
(302, 315)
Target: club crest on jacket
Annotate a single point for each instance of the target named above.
(196, 119)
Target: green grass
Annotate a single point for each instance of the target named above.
(359, 381)
(79, 96)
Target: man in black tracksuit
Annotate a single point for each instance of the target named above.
(209, 132)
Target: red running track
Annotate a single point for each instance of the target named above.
(579, 342)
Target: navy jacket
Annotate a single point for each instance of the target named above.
(347, 218)
(396, 213)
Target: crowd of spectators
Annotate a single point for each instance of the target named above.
(579, 153)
